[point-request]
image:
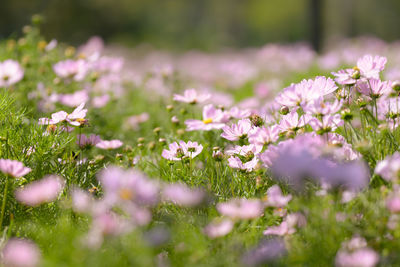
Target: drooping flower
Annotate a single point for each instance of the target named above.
(84, 141)
(238, 130)
(13, 168)
(241, 208)
(192, 97)
(178, 151)
(10, 73)
(42, 191)
(109, 144)
(212, 119)
(20, 253)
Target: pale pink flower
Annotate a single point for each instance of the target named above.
(51, 45)
(84, 141)
(241, 208)
(178, 151)
(13, 168)
(238, 130)
(374, 88)
(212, 119)
(321, 107)
(81, 200)
(264, 135)
(393, 204)
(11, 72)
(136, 120)
(236, 163)
(71, 69)
(192, 97)
(108, 64)
(345, 77)
(370, 66)
(20, 253)
(364, 257)
(109, 144)
(182, 195)
(237, 113)
(74, 99)
(293, 122)
(328, 123)
(218, 228)
(275, 198)
(283, 229)
(100, 101)
(75, 118)
(389, 167)
(42, 191)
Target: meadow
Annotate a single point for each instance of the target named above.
(266, 156)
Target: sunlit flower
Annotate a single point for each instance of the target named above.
(370, 66)
(192, 97)
(241, 208)
(238, 130)
(181, 194)
(13, 168)
(178, 151)
(72, 69)
(109, 144)
(218, 228)
(20, 253)
(10, 72)
(84, 141)
(212, 119)
(76, 118)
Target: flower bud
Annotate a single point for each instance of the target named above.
(256, 120)
(284, 110)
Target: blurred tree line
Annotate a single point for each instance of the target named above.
(203, 24)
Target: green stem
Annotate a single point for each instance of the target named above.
(3, 204)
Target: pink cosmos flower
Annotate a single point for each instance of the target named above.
(281, 230)
(181, 194)
(236, 163)
(109, 144)
(212, 119)
(328, 123)
(237, 113)
(10, 73)
(74, 99)
(218, 228)
(393, 203)
(244, 157)
(75, 118)
(81, 200)
(264, 135)
(13, 168)
(128, 187)
(389, 167)
(192, 97)
(87, 142)
(237, 131)
(20, 253)
(178, 151)
(370, 66)
(345, 77)
(374, 88)
(306, 91)
(41, 191)
(108, 64)
(136, 120)
(241, 208)
(293, 122)
(275, 198)
(71, 69)
(356, 253)
(321, 107)
(100, 101)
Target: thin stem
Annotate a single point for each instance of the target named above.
(3, 204)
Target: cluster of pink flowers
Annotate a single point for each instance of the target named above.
(181, 150)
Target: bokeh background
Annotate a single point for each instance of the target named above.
(205, 24)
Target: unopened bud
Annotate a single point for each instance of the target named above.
(284, 110)
(256, 120)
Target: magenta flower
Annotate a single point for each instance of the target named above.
(264, 135)
(72, 69)
(275, 198)
(178, 151)
(182, 195)
(212, 119)
(237, 131)
(191, 96)
(111, 144)
(41, 191)
(20, 253)
(10, 73)
(76, 118)
(13, 168)
(241, 208)
(370, 66)
(87, 142)
(218, 228)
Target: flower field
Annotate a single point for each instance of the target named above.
(267, 156)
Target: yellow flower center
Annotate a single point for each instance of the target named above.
(207, 121)
(126, 194)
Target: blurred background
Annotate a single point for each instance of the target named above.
(205, 24)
